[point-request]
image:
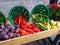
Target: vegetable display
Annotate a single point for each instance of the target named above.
(7, 31)
(54, 12)
(44, 22)
(40, 16)
(25, 27)
(15, 11)
(43, 18)
(41, 21)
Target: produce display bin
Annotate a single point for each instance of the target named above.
(32, 37)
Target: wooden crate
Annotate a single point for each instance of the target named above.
(32, 37)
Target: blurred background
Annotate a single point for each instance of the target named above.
(6, 5)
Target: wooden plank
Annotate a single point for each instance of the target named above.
(29, 38)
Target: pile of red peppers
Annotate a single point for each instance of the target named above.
(25, 27)
(54, 6)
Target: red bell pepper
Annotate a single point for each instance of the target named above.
(54, 6)
(27, 33)
(29, 30)
(22, 32)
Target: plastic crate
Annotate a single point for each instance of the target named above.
(40, 9)
(16, 11)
